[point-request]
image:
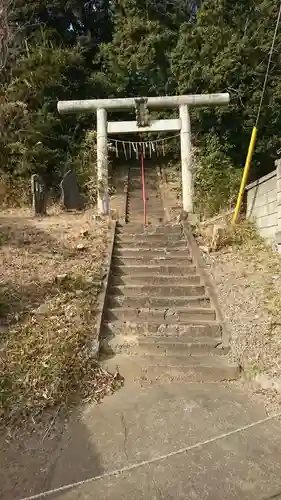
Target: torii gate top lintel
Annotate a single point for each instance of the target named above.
(144, 124)
(152, 102)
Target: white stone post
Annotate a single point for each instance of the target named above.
(186, 160)
(102, 162)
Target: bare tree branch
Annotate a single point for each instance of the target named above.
(5, 32)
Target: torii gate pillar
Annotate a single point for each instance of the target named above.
(102, 161)
(183, 102)
(186, 160)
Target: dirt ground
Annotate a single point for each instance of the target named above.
(248, 284)
(51, 270)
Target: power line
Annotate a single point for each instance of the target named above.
(159, 458)
(268, 65)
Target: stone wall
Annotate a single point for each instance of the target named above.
(264, 203)
(278, 189)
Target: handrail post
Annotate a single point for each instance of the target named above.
(143, 189)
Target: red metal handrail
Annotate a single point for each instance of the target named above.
(143, 189)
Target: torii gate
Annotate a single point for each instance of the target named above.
(143, 124)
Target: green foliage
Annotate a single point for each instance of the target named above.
(216, 181)
(105, 48)
(52, 59)
(84, 164)
(227, 50)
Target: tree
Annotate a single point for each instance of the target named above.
(137, 60)
(102, 48)
(5, 32)
(55, 60)
(227, 50)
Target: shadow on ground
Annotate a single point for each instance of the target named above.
(28, 461)
(30, 259)
(33, 255)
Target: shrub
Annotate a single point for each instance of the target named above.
(216, 180)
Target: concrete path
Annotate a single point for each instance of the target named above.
(143, 421)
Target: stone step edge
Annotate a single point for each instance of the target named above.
(195, 323)
(208, 360)
(161, 259)
(152, 253)
(191, 298)
(190, 310)
(123, 279)
(160, 276)
(140, 230)
(170, 341)
(164, 240)
(153, 266)
(152, 272)
(154, 340)
(165, 285)
(175, 245)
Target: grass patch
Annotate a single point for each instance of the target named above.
(48, 313)
(240, 234)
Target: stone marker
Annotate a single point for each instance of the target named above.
(39, 199)
(70, 196)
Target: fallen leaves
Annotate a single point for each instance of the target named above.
(48, 299)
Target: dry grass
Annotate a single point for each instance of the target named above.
(247, 273)
(50, 273)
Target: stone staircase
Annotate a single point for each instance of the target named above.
(154, 203)
(157, 311)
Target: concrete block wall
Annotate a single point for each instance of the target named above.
(278, 189)
(263, 197)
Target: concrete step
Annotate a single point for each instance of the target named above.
(135, 301)
(157, 290)
(154, 202)
(196, 368)
(149, 197)
(150, 209)
(151, 186)
(152, 253)
(136, 211)
(150, 201)
(169, 347)
(160, 346)
(161, 315)
(152, 214)
(140, 270)
(179, 330)
(151, 181)
(150, 261)
(136, 174)
(191, 368)
(136, 178)
(150, 242)
(148, 279)
(131, 228)
(135, 193)
(152, 219)
(157, 239)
